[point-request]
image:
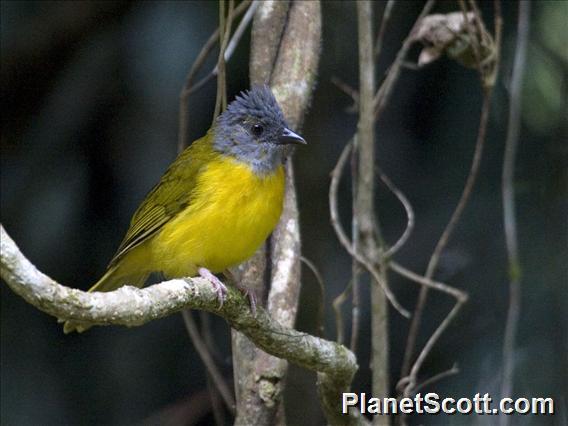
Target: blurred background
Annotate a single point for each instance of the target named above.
(89, 123)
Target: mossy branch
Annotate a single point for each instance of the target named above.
(131, 306)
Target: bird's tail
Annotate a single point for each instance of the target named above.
(111, 280)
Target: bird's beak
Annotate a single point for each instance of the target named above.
(289, 137)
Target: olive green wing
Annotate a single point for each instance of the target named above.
(169, 197)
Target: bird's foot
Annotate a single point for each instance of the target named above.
(218, 286)
(250, 295)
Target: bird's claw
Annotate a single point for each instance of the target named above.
(218, 286)
(251, 296)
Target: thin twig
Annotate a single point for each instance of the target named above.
(454, 219)
(223, 62)
(461, 298)
(409, 215)
(225, 24)
(488, 78)
(383, 94)
(354, 94)
(208, 338)
(363, 211)
(221, 80)
(508, 189)
(188, 86)
(382, 28)
(208, 46)
(424, 281)
(237, 35)
(217, 401)
(429, 345)
(342, 236)
(356, 241)
(437, 377)
(233, 43)
(321, 307)
(337, 304)
(207, 360)
(346, 88)
(183, 132)
(349, 91)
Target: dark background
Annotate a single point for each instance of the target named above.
(89, 123)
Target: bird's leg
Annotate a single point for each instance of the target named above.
(250, 295)
(247, 292)
(219, 287)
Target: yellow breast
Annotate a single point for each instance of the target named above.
(232, 211)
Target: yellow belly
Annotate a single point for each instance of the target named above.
(231, 213)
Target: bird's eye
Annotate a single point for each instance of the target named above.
(257, 129)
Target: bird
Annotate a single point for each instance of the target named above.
(214, 206)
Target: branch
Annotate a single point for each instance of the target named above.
(320, 324)
(409, 382)
(221, 98)
(188, 86)
(383, 94)
(250, 274)
(267, 29)
(436, 378)
(131, 306)
(344, 239)
(363, 214)
(509, 220)
(284, 53)
(487, 73)
(383, 27)
(391, 251)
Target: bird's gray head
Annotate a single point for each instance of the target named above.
(253, 130)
